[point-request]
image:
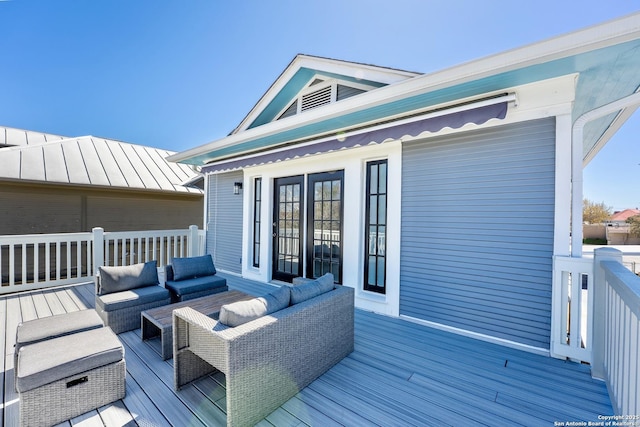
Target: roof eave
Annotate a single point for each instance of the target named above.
(599, 36)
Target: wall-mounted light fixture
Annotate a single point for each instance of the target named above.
(237, 186)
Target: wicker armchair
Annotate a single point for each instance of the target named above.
(123, 292)
(268, 360)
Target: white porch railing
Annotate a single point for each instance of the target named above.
(38, 261)
(572, 307)
(616, 333)
(596, 319)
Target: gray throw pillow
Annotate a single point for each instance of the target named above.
(124, 278)
(312, 289)
(278, 299)
(326, 281)
(238, 313)
(192, 267)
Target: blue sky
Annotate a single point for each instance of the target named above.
(178, 74)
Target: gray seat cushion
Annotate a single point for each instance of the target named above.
(132, 298)
(184, 287)
(52, 360)
(56, 326)
(241, 312)
(312, 289)
(123, 278)
(192, 267)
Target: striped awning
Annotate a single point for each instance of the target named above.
(453, 118)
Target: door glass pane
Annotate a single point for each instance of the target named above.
(287, 223)
(382, 209)
(382, 183)
(325, 234)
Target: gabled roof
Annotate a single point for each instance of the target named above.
(624, 215)
(606, 59)
(302, 71)
(96, 162)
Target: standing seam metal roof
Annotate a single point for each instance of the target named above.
(90, 161)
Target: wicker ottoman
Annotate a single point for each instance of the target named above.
(56, 326)
(64, 377)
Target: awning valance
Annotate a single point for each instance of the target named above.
(432, 123)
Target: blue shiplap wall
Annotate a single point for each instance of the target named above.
(477, 231)
(224, 221)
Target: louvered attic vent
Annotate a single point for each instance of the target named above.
(316, 99)
(328, 92)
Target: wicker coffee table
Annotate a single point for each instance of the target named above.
(158, 322)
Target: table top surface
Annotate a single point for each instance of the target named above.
(163, 316)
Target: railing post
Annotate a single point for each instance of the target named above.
(98, 249)
(598, 347)
(194, 246)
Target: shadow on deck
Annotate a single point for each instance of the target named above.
(400, 373)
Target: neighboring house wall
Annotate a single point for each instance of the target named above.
(31, 209)
(224, 221)
(477, 231)
(594, 231)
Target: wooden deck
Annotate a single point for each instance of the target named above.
(400, 374)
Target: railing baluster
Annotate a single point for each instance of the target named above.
(47, 262)
(78, 246)
(58, 260)
(12, 266)
(23, 255)
(162, 249)
(36, 263)
(89, 257)
(69, 259)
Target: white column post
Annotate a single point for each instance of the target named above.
(194, 241)
(98, 249)
(599, 286)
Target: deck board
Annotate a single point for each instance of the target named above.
(401, 373)
(142, 409)
(162, 398)
(54, 303)
(116, 414)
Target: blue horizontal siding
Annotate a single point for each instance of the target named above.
(224, 221)
(477, 231)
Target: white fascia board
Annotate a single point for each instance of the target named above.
(613, 32)
(363, 71)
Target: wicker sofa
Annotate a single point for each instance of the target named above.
(267, 360)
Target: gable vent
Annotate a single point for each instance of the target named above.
(316, 99)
